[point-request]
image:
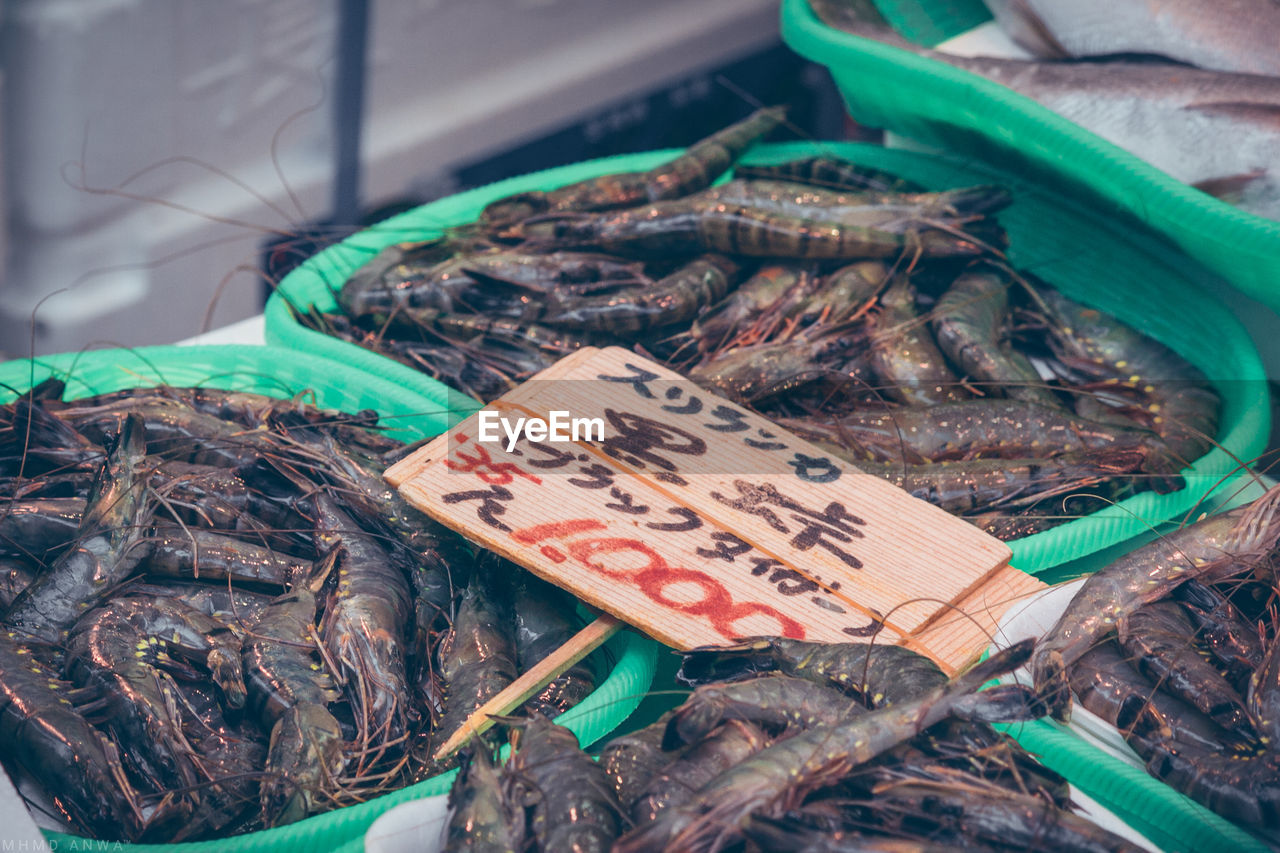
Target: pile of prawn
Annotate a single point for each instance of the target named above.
(218, 618)
(786, 745)
(868, 316)
(1177, 645)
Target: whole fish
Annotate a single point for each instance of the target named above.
(1227, 35)
(1215, 129)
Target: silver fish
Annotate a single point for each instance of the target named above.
(1201, 127)
(1227, 35)
(1210, 128)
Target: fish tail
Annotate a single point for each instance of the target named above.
(1259, 528)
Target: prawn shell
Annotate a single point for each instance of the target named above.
(1199, 550)
(105, 554)
(967, 323)
(713, 754)
(631, 760)
(1108, 685)
(1004, 819)
(543, 624)
(690, 226)
(881, 674)
(1223, 629)
(792, 767)
(479, 658)
(1244, 790)
(485, 815)
(832, 173)
(107, 652)
(982, 429)
(196, 553)
(281, 671)
(749, 300)
(676, 298)
(904, 357)
(231, 756)
(39, 526)
(574, 806)
(892, 212)
(1264, 695)
(1174, 395)
(776, 702)
(365, 623)
(236, 608)
(708, 158)
(1159, 637)
(43, 733)
(304, 760)
(693, 170)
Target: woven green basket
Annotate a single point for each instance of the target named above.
(1118, 268)
(963, 113)
(416, 412)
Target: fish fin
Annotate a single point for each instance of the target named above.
(844, 14)
(50, 389)
(1049, 672)
(41, 428)
(860, 18)
(980, 199)
(1002, 661)
(1258, 529)
(320, 572)
(1002, 704)
(1030, 32)
(726, 663)
(1230, 188)
(691, 722)
(1256, 113)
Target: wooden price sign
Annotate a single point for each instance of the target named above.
(699, 522)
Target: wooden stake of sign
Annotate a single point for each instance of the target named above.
(534, 679)
(698, 522)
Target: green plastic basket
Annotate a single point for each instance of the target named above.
(1119, 268)
(416, 413)
(960, 112)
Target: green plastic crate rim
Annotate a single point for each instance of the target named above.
(1115, 267)
(1172, 821)
(285, 373)
(960, 112)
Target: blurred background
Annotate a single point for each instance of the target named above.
(166, 160)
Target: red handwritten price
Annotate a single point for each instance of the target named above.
(655, 575)
(700, 522)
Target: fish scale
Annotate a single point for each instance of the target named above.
(1228, 35)
(1197, 125)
